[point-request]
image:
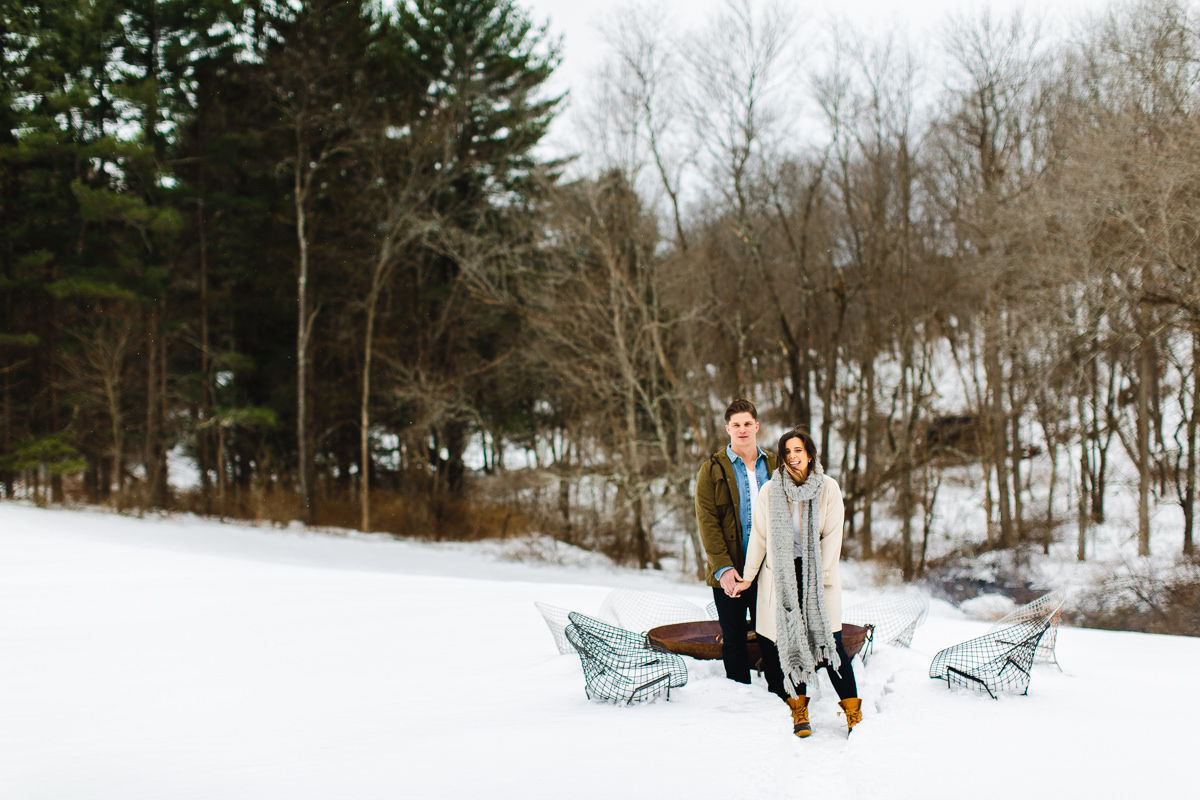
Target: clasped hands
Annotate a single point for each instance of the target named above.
(733, 584)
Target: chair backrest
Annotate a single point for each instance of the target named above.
(637, 610)
(557, 621)
(613, 638)
(894, 617)
(1049, 606)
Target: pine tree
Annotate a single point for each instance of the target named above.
(482, 67)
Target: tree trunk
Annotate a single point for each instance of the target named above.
(827, 388)
(221, 471)
(456, 445)
(162, 499)
(379, 278)
(740, 376)
(989, 504)
(151, 418)
(851, 463)
(302, 331)
(564, 507)
(113, 396)
(799, 409)
(1084, 472)
(1052, 451)
(1099, 439)
(1015, 451)
(868, 493)
(1145, 356)
(1189, 501)
(105, 478)
(364, 470)
(907, 501)
(996, 427)
(204, 436)
(929, 503)
(153, 455)
(6, 439)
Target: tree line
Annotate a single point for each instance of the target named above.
(316, 251)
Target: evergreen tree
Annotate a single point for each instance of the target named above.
(482, 67)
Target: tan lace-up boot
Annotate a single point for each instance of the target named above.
(799, 707)
(853, 709)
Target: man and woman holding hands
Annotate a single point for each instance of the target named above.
(771, 524)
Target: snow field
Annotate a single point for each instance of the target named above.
(179, 658)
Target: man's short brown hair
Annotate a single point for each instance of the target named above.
(741, 406)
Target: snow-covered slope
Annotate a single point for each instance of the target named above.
(180, 658)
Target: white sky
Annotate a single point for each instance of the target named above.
(578, 22)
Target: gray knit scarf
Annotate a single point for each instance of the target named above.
(802, 634)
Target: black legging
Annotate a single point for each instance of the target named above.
(842, 679)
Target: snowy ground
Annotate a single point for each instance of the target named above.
(183, 658)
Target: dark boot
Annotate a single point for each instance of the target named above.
(799, 707)
(853, 708)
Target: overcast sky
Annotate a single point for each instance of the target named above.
(583, 46)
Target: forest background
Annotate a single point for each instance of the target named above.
(312, 255)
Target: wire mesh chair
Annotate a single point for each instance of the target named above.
(996, 662)
(640, 611)
(1049, 606)
(621, 665)
(894, 618)
(557, 621)
(711, 609)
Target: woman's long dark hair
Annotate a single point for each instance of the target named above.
(781, 450)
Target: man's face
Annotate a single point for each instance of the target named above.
(743, 430)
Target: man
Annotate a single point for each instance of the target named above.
(726, 489)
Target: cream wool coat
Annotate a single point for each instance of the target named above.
(758, 555)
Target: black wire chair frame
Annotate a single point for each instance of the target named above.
(894, 619)
(620, 665)
(999, 661)
(1049, 606)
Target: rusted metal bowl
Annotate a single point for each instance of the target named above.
(697, 639)
(854, 637)
(702, 640)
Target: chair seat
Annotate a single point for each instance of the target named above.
(621, 665)
(996, 662)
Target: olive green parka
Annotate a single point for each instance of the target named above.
(717, 515)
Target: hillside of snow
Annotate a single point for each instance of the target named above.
(180, 658)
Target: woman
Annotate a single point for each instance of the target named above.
(796, 541)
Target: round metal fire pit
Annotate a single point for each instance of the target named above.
(702, 640)
(697, 639)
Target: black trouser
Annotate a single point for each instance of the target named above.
(731, 613)
(842, 679)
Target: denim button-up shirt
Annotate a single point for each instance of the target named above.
(745, 500)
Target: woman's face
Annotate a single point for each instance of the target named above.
(796, 456)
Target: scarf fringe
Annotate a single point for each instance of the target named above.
(804, 639)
